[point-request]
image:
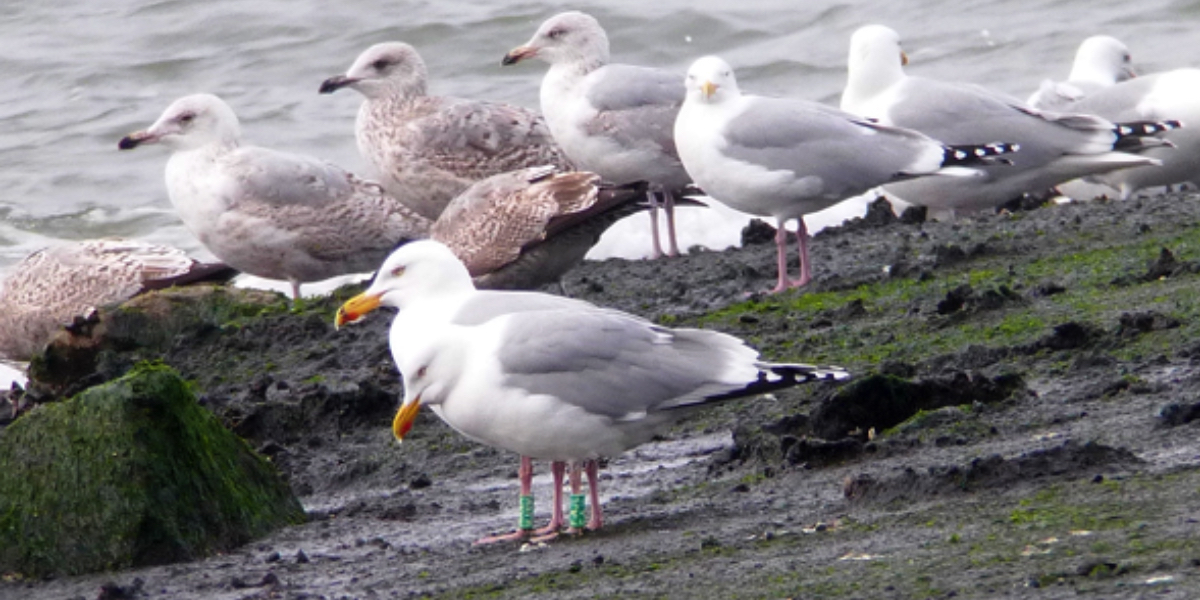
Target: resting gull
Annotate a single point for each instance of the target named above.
(52, 287)
(526, 228)
(550, 377)
(1101, 61)
(612, 119)
(269, 213)
(1170, 95)
(786, 158)
(428, 149)
(1054, 147)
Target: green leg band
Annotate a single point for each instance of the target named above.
(577, 515)
(525, 521)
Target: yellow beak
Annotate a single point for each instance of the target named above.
(708, 88)
(903, 59)
(355, 308)
(404, 419)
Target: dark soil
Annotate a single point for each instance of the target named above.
(1022, 424)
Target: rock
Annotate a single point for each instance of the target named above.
(130, 473)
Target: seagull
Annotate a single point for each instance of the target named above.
(786, 158)
(526, 228)
(428, 149)
(270, 213)
(1171, 95)
(52, 287)
(1054, 147)
(612, 119)
(1101, 61)
(549, 377)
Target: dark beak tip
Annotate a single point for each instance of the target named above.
(128, 143)
(333, 84)
(508, 60)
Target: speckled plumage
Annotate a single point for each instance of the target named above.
(526, 228)
(428, 149)
(269, 213)
(51, 287)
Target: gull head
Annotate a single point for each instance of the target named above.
(710, 79)
(384, 69)
(419, 270)
(566, 38)
(1103, 60)
(429, 367)
(189, 122)
(876, 48)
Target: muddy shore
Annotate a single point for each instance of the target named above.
(1021, 426)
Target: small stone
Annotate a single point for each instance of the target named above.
(301, 557)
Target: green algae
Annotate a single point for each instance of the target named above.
(133, 472)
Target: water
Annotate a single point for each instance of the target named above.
(81, 75)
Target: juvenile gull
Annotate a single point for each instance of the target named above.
(549, 377)
(526, 228)
(615, 120)
(428, 149)
(1170, 95)
(1101, 61)
(1054, 147)
(269, 213)
(786, 158)
(52, 287)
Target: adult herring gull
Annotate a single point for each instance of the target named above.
(52, 287)
(550, 377)
(786, 158)
(1054, 147)
(269, 213)
(615, 120)
(428, 149)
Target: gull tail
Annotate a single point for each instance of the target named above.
(1140, 135)
(971, 155)
(778, 376)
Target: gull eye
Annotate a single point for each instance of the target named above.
(380, 64)
(556, 33)
(398, 271)
(421, 372)
(187, 117)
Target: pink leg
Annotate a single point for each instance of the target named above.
(557, 468)
(781, 257)
(805, 267)
(525, 475)
(669, 209)
(656, 253)
(593, 475)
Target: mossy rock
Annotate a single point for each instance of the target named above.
(130, 473)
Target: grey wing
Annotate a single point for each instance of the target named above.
(266, 176)
(809, 139)
(617, 365)
(635, 105)
(1122, 101)
(475, 139)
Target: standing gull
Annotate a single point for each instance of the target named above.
(549, 377)
(526, 228)
(786, 158)
(1054, 148)
(428, 149)
(52, 287)
(1101, 61)
(612, 119)
(1170, 95)
(269, 213)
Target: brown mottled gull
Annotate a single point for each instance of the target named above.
(428, 149)
(269, 213)
(615, 120)
(51, 287)
(523, 229)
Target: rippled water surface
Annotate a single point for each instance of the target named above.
(80, 75)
